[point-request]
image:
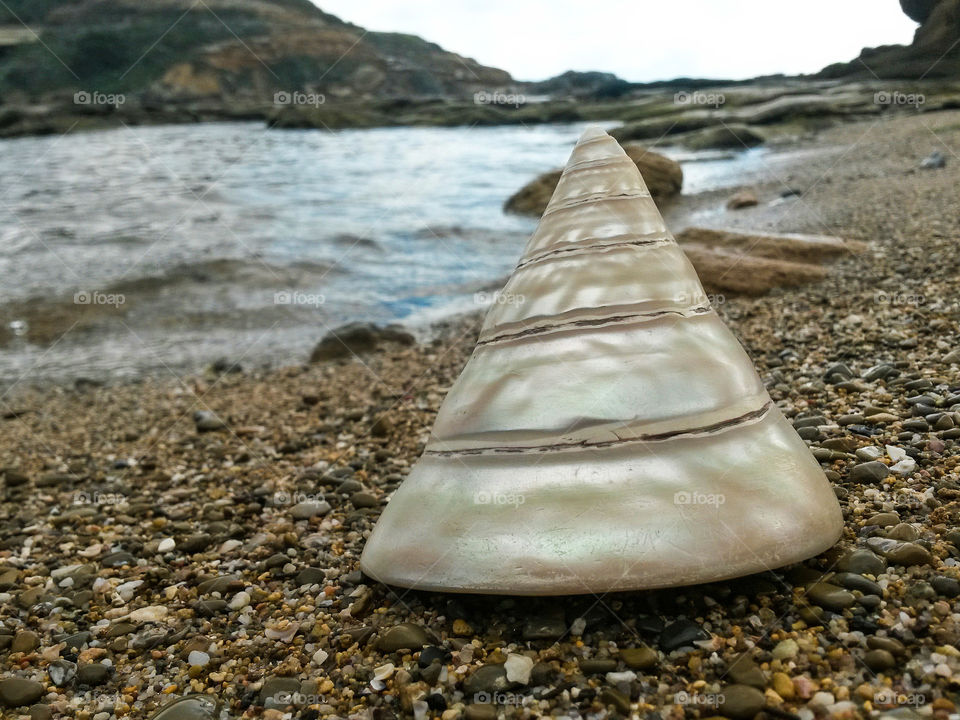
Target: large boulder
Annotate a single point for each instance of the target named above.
(941, 29)
(354, 339)
(664, 178)
(918, 10)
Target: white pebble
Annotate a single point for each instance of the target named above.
(384, 671)
(320, 657)
(198, 658)
(904, 467)
(151, 613)
(126, 590)
(91, 551)
(869, 453)
(166, 545)
(822, 699)
(229, 545)
(578, 626)
(518, 668)
(240, 600)
(894, 453)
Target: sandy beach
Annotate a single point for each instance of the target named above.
(202, 533)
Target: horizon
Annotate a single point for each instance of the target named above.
(740, 50)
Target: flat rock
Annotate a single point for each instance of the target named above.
(741, 701)
(869, 472)
(862, 561)
(405, 636)
(17, 692)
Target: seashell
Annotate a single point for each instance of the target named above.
(608, 432)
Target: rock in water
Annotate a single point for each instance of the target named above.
(743, 199)
(663, 176)
(607, 433)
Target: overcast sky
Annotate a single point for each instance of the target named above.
(641, 40)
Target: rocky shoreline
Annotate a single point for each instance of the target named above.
(201, 535)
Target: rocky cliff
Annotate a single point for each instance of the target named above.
(219, 50)
(933, 54)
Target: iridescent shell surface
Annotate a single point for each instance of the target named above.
(608, 432)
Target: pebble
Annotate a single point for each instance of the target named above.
(946, 586)
(597, 666)
(16, 691)
(25, 641)
(61, 672)
(207, 421)
(405, 636)
(903, 531)
(196, 657)
(240, 600)
(41, 712)
(907, 554)
(639, 658)
(783, 685)
(681, 633)
(619, 701)
(829, 596)
(785, 650)
(883, 519)
(545, 627)
(93, 674)
(879, 660)
(309, 509)
(518, 668)
(862, 561)
(480, 711)
(486, 679)
(166, 545)
(869, 472)
(744, 671)
(869, 453)
(822, 699)
(741, 702)
(364, 500)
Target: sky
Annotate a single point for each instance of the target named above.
(640, 40)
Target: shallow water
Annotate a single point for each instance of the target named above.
(156, 249)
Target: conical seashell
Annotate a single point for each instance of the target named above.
(608, 432)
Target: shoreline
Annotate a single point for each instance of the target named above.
(241, 540)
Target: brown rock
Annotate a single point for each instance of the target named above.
(663, 177)
(743, 199)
